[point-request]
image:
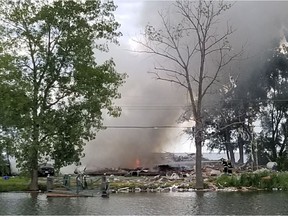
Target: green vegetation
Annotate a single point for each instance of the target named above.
(262, 180)
(20, 183)
(14, 184)
(53, 91)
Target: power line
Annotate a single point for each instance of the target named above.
(145, 127)
(177, 107)
(220, 100)
(149, 127)
(153, 107)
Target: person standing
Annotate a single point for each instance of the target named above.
(229, 167)
(225, 165)
(105, 186)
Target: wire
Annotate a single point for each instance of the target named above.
(151, 127)
(153, 107)
(146, 127)
(181, 107)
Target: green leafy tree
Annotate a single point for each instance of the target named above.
(273, 139)
(230, 125)
(53, 93)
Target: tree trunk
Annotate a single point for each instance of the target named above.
(227, 151)
(34, 171)
(232, 156)
(241, 149)
(34, 159)
(198, 143)
(34, 180)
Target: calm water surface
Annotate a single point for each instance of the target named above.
(174, 203)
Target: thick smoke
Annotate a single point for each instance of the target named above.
(147, 102)
(258, 24)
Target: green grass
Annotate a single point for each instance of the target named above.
(20, 183)
(14, 184)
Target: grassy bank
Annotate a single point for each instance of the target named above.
(19, 183)
(259, 180)
(263, 180)
(14, 184)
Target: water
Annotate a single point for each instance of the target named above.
(174, 203)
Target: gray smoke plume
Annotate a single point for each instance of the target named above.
(147, 102)
(145, 105)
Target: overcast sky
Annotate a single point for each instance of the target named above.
(147, 102)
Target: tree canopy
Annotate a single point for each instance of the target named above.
(53, 91)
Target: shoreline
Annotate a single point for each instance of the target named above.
(238, 182)
(90, 193)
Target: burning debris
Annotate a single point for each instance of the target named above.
(171, 176)
(167, 164)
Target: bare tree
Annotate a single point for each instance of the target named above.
(194, 54)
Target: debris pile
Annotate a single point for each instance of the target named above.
(171, 182)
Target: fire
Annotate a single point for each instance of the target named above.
(137, 163)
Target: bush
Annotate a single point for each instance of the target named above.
(282, 180)
(228, 181)
(263, 180)
(282, 163)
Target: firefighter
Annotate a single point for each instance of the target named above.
(229, 167)
(225, 165)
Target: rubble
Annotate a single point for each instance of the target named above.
(124, 190)
(215, 173)
(228, 189)
(177, 174)
(174, 176)
(168, 183)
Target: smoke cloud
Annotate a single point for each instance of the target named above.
(147, 102)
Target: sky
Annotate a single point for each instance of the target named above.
(148, 102)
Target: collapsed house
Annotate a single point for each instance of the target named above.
(166, 163)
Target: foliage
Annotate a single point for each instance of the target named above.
(282, 162)
(4, 166)
(227, 181)
(55, 94)
(282, 180)
(230, 125)
(259, 96)
(262, 180)
(274, 113)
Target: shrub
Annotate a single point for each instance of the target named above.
(263, 180)
(282, 163)
(228, 181)
(282, 180)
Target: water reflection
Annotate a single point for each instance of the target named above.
(209, 203)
